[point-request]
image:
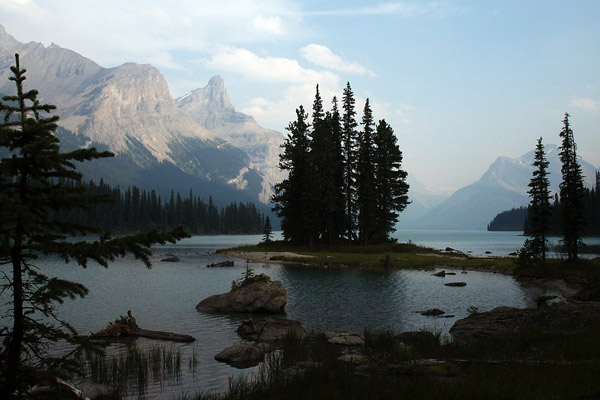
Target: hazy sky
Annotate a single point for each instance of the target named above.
(461, 82)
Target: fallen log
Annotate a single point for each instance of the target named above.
(127, 327)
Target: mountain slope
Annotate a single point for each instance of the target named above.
(502, 187)
(210, 107)
(129, 110)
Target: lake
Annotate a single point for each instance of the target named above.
(164, 297)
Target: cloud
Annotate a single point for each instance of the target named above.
(268, 69)
(322, 56)
(587, 104)
(397, 8)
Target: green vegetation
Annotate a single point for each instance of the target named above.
(423, 365)
(32, 192)
(343, 185)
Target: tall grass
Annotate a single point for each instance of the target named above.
(132, 370)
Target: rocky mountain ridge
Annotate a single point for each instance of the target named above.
(211, 107)
(129, 110)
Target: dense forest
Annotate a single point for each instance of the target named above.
(133, 210)
(516, 219)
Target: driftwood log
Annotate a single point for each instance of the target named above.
(127, 327)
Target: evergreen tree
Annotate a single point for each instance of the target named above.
(349, 150)
(571, 192)
(289, 194)
(33, 190)
(365, 178)
(267, 230)
(390, 181)
(539, 211)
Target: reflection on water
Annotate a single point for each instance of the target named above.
(164, 298)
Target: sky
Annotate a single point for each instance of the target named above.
(461, 82)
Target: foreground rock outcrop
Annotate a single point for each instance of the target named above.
(269, 329)
(256, 295)
(503, 322)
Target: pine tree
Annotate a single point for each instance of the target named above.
(365, 178)
(390, 181)
(33, 190)
(289, 194)
(539, 212)
(571, 192)
(267, 230)
(349, 150)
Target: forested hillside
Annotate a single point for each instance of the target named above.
(134, 210)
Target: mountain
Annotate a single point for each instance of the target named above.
(129, 110)
(502, 187)
(210, 107)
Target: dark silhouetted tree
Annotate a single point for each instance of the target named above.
(34, 176)
(267, 230)
(365, 179)
(571, 192)
(539, 213)
(391, 187)
(349, 155)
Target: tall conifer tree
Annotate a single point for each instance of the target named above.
(349, 150)
(571, 192)
(539, 212)
(289, 194)
(33, 190)
(390, 181)
(366, 194)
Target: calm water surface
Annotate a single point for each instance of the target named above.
(164, 297)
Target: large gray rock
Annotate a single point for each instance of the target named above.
(503, 322)
(262, 295)
(269, 329)
(243, 354)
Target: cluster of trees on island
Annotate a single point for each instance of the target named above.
(569, 206)
(134, 210)
(344, 184)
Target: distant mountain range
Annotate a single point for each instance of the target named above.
(198, 142)
(501, 188)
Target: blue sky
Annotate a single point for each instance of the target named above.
(461, 82)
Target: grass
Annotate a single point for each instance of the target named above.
(533, 365)
(135, 368)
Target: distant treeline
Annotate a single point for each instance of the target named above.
(516, 219)
(133, 210)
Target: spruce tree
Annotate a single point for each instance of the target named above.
(571, 192)
(267, 230)
(33, 189)
(289, 194)
(390, 181)
(349, 150)
(365, 178)
(539, 212)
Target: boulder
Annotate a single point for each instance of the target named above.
(243, 354)
(441, 273)
(170, 258)
(503, 322)
(269, 329)
(344, 338)
(257, 295)
(587, 294)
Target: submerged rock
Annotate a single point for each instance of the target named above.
(243, 354)
(432, 311)
(269, 329)
(227, 263)
(441, 273)
(170, 258)
(258, 295)
(456, 284)
(344, 338)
